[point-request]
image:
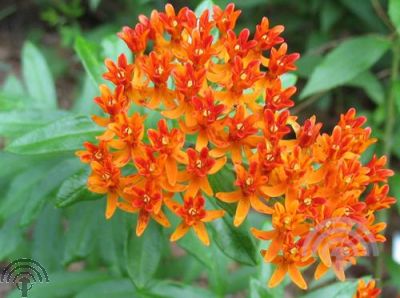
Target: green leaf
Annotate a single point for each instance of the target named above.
(89, 60)
(10, 237)
(234, 242)
(205, 4)
(74, 190)
(258, 290)
(94, 4)
(338, 290)
(49, 183)
(170, 289)
(20, 187)
(395, 188)
(48, 239)
(114, 46)
(288, 80)
(14, 123)
(83, 231)
(223, 181)
(63, 135)
(38, 78)
(394, 13)
(115, 230)
(13, 85)
(371, 86)
(345, 62)
(118, 288)
(11, 101)
(143, 255)
(192, 245)
(84, 104)
(63, 284)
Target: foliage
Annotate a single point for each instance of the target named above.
(350, 55)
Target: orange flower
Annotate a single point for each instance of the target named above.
(106, 179)
(367, 289)
(93, 152)
(250, 184)
(129, 132)
(268, 37)
(241, 135)
(147, 201)
(158, 69)
(169, 144)
(136, 38)
(200, 165)
(225, 19)
(206, 114)
(120, 74)
(111, 103)
(290, 262)
(194, 215)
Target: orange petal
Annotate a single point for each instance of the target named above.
(142, 222)
(219, 163)
(205, 186)
(202, 140)
(278, 275)
(297, 277)
(126, 207)
(112, 199)
(201, 231)
(273, 249)
(175, 113)
(274, 191)
(242, 210)
(263, 235)
(180, 231)
(324, 254)
(213, 215)
(230, 197)
(320, 271)
(193, 188)
(339, 271)
(161, 219)
(259, 206)
(171, 170)
(236, 153)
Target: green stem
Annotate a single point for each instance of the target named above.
(388, 139)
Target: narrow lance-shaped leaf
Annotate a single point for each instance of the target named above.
(37, 77)
(67, 134)
(89, 60)
(143, 255)
(394, 13)
(345, 62)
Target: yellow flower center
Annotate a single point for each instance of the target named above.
(308, 201)
(189, 83)
(249, 181)
(239, 126)
(192, 211)
(243, 76)
(164, 140)
(146, 199)
(199, 164)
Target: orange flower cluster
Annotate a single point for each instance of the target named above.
(222, 103)
(367, 289)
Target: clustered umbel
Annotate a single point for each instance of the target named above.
(222, 104)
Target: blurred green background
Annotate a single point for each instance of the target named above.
(53, 50)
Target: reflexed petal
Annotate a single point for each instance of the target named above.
(320, 271)
(229, 197)
(193, 188)
(112, 199)
(202, 140)
(242, 210)
(259, 206)
(142, 222)
(278, 275)
(171, 170)
(180, 231)
(219, 163)
(205, 186)
(324, 254)
(201, 232)
(213, 215)
(161, 219)
(297, 277)
(273, 249)
(126, 207)
(274, 191)
(263, 235)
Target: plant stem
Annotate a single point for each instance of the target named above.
(388, 138)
